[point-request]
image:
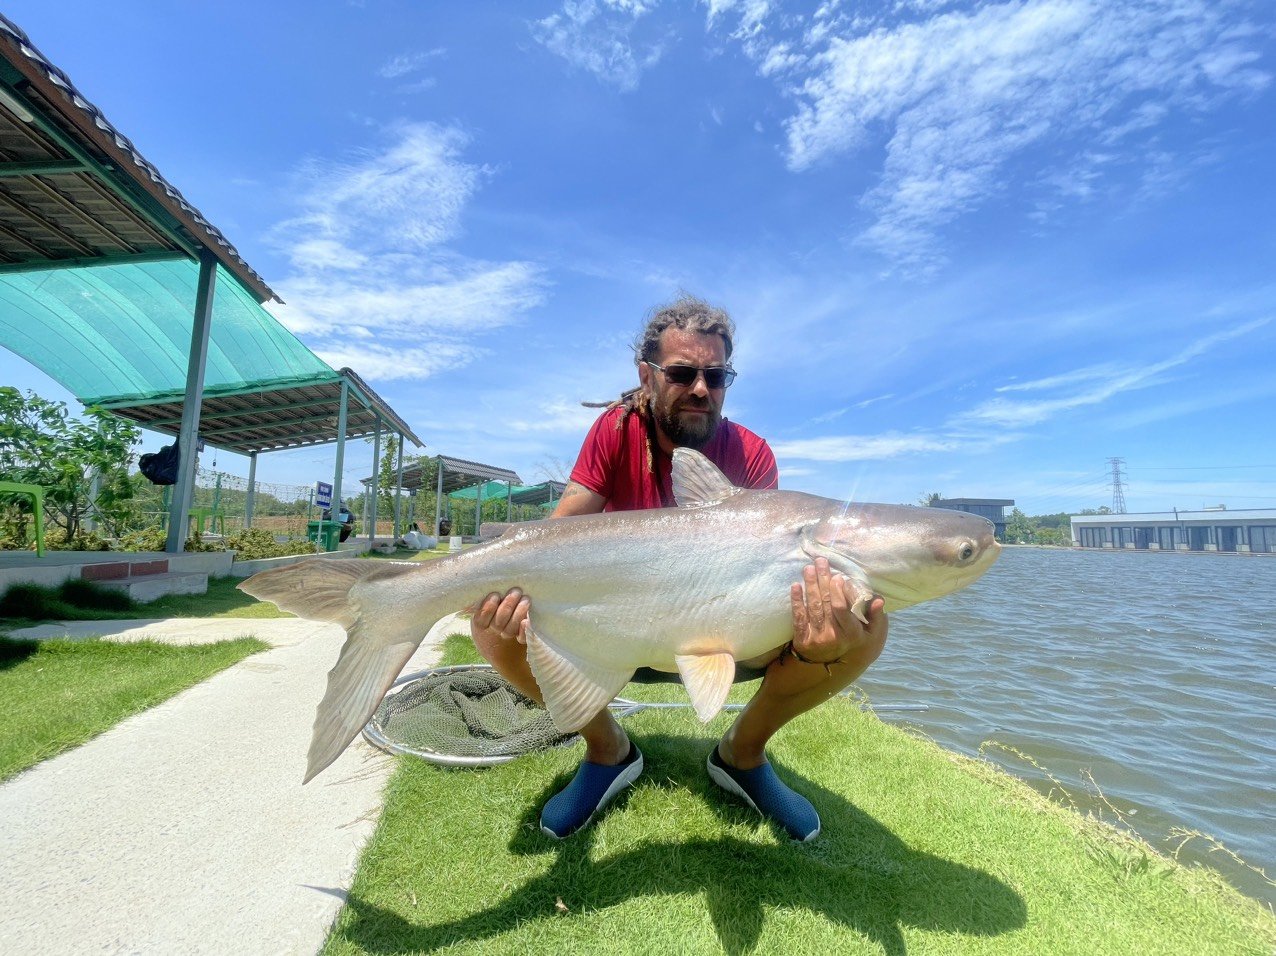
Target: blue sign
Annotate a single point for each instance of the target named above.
(323, 494)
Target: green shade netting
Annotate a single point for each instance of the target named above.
(117, 331)
(491, 489)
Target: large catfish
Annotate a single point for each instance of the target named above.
(691, 589)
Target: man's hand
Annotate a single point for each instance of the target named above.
(502, 618)
(825, 630)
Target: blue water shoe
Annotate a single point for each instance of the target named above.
(765, 792)
(593, 787)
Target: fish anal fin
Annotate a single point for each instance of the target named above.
(574, 689)
(708, 679)
(697, 481)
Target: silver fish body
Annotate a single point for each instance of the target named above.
(689, 589)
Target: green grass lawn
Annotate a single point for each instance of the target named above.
(922, 851)
(59, 694)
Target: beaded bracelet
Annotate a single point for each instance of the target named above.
(827, 665)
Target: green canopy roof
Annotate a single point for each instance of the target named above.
(122, 331)
(490, 490)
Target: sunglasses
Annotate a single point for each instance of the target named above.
(715, 376)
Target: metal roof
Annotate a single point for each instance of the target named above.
(1210, 515)
(74, 190)
(273, 418)
(541, 494)
(457, 474)
(77, 197)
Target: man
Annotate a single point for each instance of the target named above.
(683, 358)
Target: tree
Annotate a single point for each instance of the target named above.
(928, 500)
(1019, 528)
(387, 478)
(42, 444)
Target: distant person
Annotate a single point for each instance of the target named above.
(345, 518)
(683, 357)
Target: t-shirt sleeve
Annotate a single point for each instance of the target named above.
(595, 465)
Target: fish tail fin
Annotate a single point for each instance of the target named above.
(363, 674)
(380, 638)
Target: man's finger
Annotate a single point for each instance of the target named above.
(798, 603)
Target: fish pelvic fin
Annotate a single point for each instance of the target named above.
(364, 671)
(708, 679)
(574, 689)
(697, 481)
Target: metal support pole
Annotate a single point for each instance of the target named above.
(478, 508)
(376, 481)
(188, 438)
(251, 498)
(438, 499)
(341, 451)
(509, 501)
(398, 488)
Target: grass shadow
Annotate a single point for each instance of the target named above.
(13, 651)
(857, 874)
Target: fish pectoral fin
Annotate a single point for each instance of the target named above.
(574, 689)
(708, 679)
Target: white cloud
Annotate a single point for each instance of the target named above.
(1007, 413)
(374, 284)
(406, 63)
(865, 447)
(597, 36)
(388, 363)
(967, 101)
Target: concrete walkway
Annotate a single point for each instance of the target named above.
(186, 829)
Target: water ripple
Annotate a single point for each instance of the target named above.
(1152, 676)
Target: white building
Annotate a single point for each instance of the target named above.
(1213, 529)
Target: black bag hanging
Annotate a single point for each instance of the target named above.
(160, 467)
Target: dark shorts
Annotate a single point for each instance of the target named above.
(648, 675)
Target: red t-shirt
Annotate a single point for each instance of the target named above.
(613, 462)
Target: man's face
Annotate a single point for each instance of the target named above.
(688, 414)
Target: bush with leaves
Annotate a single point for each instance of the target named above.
(42, 444)
(254, 543)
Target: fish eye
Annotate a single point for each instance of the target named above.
(967, 552)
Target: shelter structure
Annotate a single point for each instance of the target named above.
(453, 475)
(1251, 531)
(118, 288)
(994, 509)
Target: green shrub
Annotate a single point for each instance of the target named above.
(56, 539)
(156, 539)
(35, 602)
(254, 543)
(31, 602)
(86, 594)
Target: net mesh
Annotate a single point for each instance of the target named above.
(468, 712)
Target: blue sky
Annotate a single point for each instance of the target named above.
(974, 248)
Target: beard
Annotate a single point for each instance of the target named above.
(687, 431)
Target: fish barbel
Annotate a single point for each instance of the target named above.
(690, 590)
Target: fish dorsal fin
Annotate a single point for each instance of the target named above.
(697, 481)
(708, 678)
(575, 690)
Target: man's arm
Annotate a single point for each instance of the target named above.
(578, 500)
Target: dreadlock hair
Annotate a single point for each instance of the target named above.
(688, 313)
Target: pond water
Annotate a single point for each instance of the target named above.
(1143, 682)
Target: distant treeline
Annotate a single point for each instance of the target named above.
(1044, 529)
